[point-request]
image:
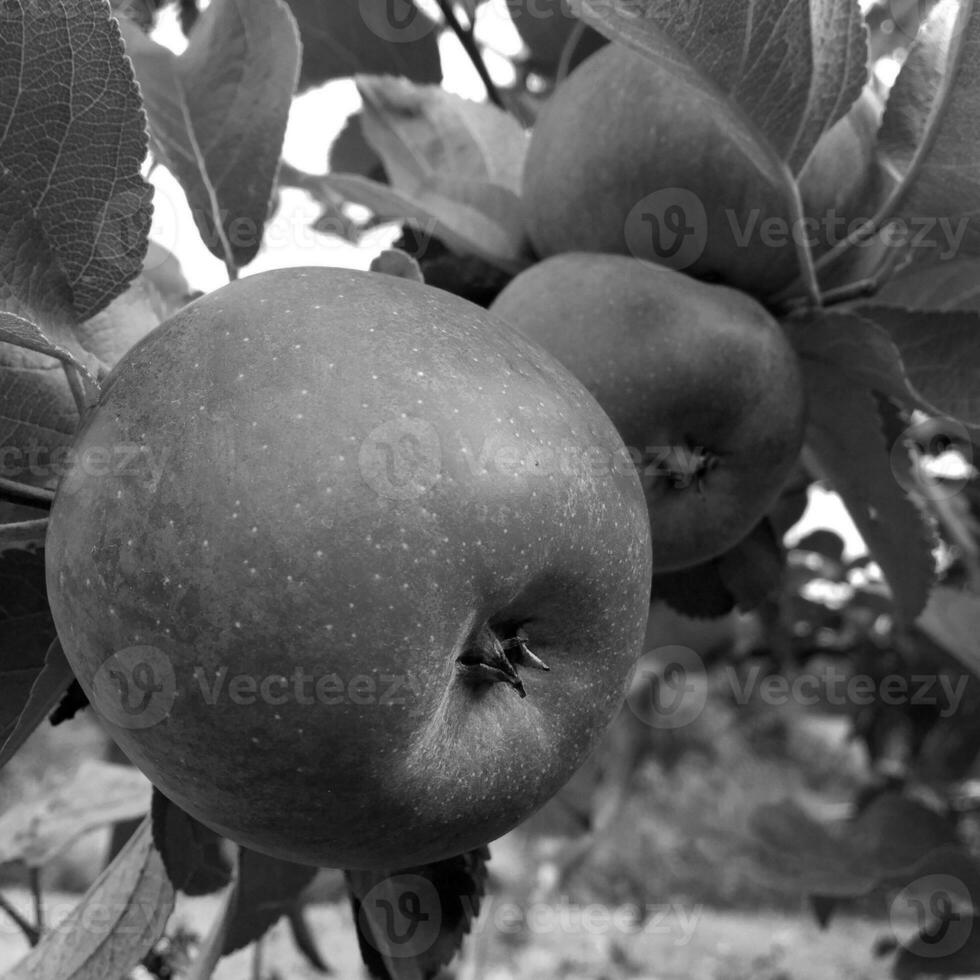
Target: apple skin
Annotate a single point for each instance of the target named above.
(263, 545)
(622, 127)
(677, 364)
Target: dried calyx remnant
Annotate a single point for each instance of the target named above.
(494, 659)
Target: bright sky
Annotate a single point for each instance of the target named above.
(314, 121)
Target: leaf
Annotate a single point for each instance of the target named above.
(98, 793)
(752, 570)
(933, 105)
(952, 619)
(192, 853)
(344, 37)
(29, 693)
(940, 354)
(792, 67)
(126, 320)
(453, 164)
(393, 262)
(118, 921)
(829, 544)
(218, 115)
(465, 226)
(351, 153)
(422, 130)
(73, 141)
(161, 268)
(268, 889)
(39, 416)
(845, 437)
(411, 923)
(18, 332)
(953, 285)
(942, 948)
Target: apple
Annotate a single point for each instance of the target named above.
(626, 158)
(840, 179)
(320, 538)
(545, 27)
(699, 380)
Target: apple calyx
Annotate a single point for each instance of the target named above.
(487, 660)
(689, 466)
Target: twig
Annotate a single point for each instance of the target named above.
(15, 492)
(213, 946)
(32, 933)
(23, 530)
(36, 893)
(472, 50)
(568, 51)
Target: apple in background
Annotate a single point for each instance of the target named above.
(624, 158)
(323, 533)
(699, 380)
(545, 27)
(840, 174)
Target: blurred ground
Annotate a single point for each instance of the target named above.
(677, 848)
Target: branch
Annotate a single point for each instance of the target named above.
(23, 531)
(32, 933)
(15, 492)
(472, 50)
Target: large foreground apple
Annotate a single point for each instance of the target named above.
(699, 379)
(322, 534)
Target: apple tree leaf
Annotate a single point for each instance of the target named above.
(344, 37)
(98, 793)
(192, 854)
(453, 165)
(940, 355)
(469, 218)
(412, 922)
(945, 286)
(792, 67)
(952, 619)
(33, 670)
(926, 955)
(845, 437)
(421, 131)
(394, 262)
(73, 142)
(267, 889)
(218, 115)
(351, 153)
(114, 926)
(931, 118)
(126, 320)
